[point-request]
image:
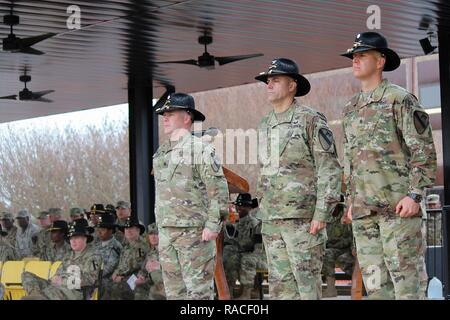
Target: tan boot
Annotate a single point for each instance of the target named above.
(330, 291)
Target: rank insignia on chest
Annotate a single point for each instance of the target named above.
(140, 252)
(94, 265)
(421, 121)
(326, 138)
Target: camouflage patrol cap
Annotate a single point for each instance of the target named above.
(76, 211)
(23, 214)
(433, 199)
(123, 204)
(152, 228)
(55, 212)
(7, 216)
(43, 215)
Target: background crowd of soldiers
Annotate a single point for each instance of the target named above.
(118, 247)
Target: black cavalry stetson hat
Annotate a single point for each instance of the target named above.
(287, 67)
(106, 220)
(58, 225)
(366, 41)
(245, 200)
(181, 101)
(78, 229)
(132, 222)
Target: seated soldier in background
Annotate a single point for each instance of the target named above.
(7, 222)
(25, 233)
(58, 248)
(108, 248)
(149, 284)
(339, 250)
(77, 276)
(243, 250)
(131, 259)
(96, 210)
(7, 251)
(123, 212)
(42, 238)
(76, 213)
(434, 220)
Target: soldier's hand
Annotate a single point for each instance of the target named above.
(152, 265)
(347, 217)
(316, 226)
(140, 280)
(208, 235)
(407, 207)
(56, 281)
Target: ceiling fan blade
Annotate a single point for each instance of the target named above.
(191, 61)
(229, 59)
(37, 95)
(169, 90)
(31, 51)
(12, 97)
(43, 100)
(28, 42)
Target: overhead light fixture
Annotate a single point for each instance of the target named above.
(426, 45)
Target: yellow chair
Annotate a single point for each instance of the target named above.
(54, 268)
(12, 279)
(39, 268)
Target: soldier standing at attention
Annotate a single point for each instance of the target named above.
(299, 184)
(191, 198)
(42, 238)
(389, 160)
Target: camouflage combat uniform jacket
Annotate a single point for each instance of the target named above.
(110, 252)
(389, 149)
(191, 189)
(299, 170)
(53, 253)
(132, 257)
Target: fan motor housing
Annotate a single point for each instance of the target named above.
(25, 94)
(206, 60)
(11, 43)
(11, 20)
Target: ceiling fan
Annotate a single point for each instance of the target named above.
(26, 94)
(12, 43)
(207, 61)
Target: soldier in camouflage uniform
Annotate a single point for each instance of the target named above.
(338, 251)
(150, 285)
(243, 252)
(131, 259)
(77, 276)
(76, 213)
(123, 212)
(42, 238)
(434, 221)
(191, 198)
(298, 186)
(389, 160)
(58, 248)
(7, 222)
(27, 230)
(55, 214)
(108, 248)
(7, 251)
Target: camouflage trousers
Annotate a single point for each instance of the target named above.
(187, 263)
(342, 258)
(390, 253)
(44, 290)
(294, 258)
(116, 290)
(242, 265)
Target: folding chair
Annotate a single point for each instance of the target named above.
(12, 279)
(39, 268)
